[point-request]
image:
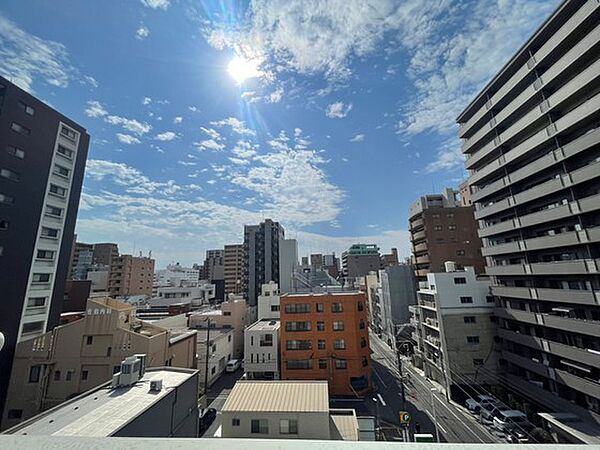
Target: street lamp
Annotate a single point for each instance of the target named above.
(376, 417)
(437, 431)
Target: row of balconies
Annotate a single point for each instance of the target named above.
(580, 266)
(536, 61)
(583, 205)
(564, 124)
(575, 296)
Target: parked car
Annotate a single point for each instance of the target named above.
(508, 418)
(233, 365)
(490, 410)
(206, 419)
(474, 404)
(520, 434)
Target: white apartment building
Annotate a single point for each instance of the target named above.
(174, 274)
(261, 350)
(197, 292)
(268, 301)
(454, 328)
(220, 351)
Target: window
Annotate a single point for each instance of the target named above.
(41, 278)
(297, 308)
(339, 344)
(65, 151)
(435, 216)
(299, 364)
(15, 413)
(36, 302)
(9, 174)
(57, 375)
(361, 307)
(16, 152)
(266, 340)
(320, 326)
(45, 254)
(229, 338)
(53, 211)
(274, 308)
(34, 374)
(466, 300)
(297, 326)
(337, 307)
(259, 426)
(477, 362)
(361, 324)
(69, 375)
(322, 364)
(89, 340)
(452, 227)
(437, 227)
(26, 108)
(58, 191)
(460, 253)
(489, 299)
(363, 342)
(460, 280)
(6, 199)
(338, 326)
(341, 364)
(61, 171)
(365, 361)
(4, 224)
(213, 370)
(298, 345)
(49, 232)
(320, 307)
(450, 215)
(472, 339)
(469, 319)
(84, 375)
(17, 128)
(235, 422)
(288, 426)
(68, 133)
(321, 344)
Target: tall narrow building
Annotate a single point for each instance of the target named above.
(532, 142)
(261, 257)
(42, 161)
(233, 268)
(360, 259)
(442, 230)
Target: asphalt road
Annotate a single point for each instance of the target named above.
(455, 425)
(217, 394)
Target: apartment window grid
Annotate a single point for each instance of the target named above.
(297, 308)
(288, 426)
(338, 325)
(339, 344)
(341, 364)
(259, 426)
(466, 299)
(297, 326)
(337, 307)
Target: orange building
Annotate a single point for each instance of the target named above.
(326, 337)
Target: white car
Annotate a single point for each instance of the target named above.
(505, 420)
(475, 404)
(233, 365)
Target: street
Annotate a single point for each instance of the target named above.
(217, 394)
(454, 424)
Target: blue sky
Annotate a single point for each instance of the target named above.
(348, 117)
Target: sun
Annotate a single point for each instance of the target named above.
(241, 69)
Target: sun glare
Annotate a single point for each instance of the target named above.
(241, 69)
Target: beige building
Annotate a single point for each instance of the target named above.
(131, 275)
(233, 262)
(285, 410)
(80, 355)
(233, 314)
(220, 352)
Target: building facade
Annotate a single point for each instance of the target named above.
(268, 302)
(288, 261)
(131, 275)
(261, 350)
(176, 275)
(455, 331)
(220, 352)
(233, 268)
(532, 143)
(325, 337)
(83, 354)
(261, 257)
(399, 289)
(42, 160)
(441, 230)
(105, 253)
(360, 259)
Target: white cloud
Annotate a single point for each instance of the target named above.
(95, 109)
(156, 4)
(142, 33)
(133, 125)
(358, 138)
(166, 136)
(91, 81)
(146, 101)
(186, 163)
(237, 126)
(193, 108)
(209, 144)
(449, 157)
(244, 150)
(338, 110)
(211, 133)
(25, 57)
(127, 139)
(177, 120)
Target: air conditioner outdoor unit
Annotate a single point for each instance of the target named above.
(156, 385)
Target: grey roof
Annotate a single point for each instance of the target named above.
(278, 396)
(103, 411)
(264, 325)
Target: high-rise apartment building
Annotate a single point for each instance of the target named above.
(105, 253)
(532, 142)
(42, 160)
(81, 260)
(261, 257)
(316, 260)
(442, 230)
(325, 337)
(288, 262)
(360, 259)
(390, 259)
(331, 264)
(233, 268)
(398, 286)
(213, 270)
(131, 275)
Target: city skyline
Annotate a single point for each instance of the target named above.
(184, 154)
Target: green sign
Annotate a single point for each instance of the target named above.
(404, 418)
(424, 437)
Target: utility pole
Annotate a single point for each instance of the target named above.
(437, 429)
(402, 393)
(207, 356)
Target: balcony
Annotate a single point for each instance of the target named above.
(419, 235)
(557, 295)
(422, 247)
(580, 384)
(527, 363)
(432, 323)
(422, 259)
(417, 224)
(582, 266)
(433, 341)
